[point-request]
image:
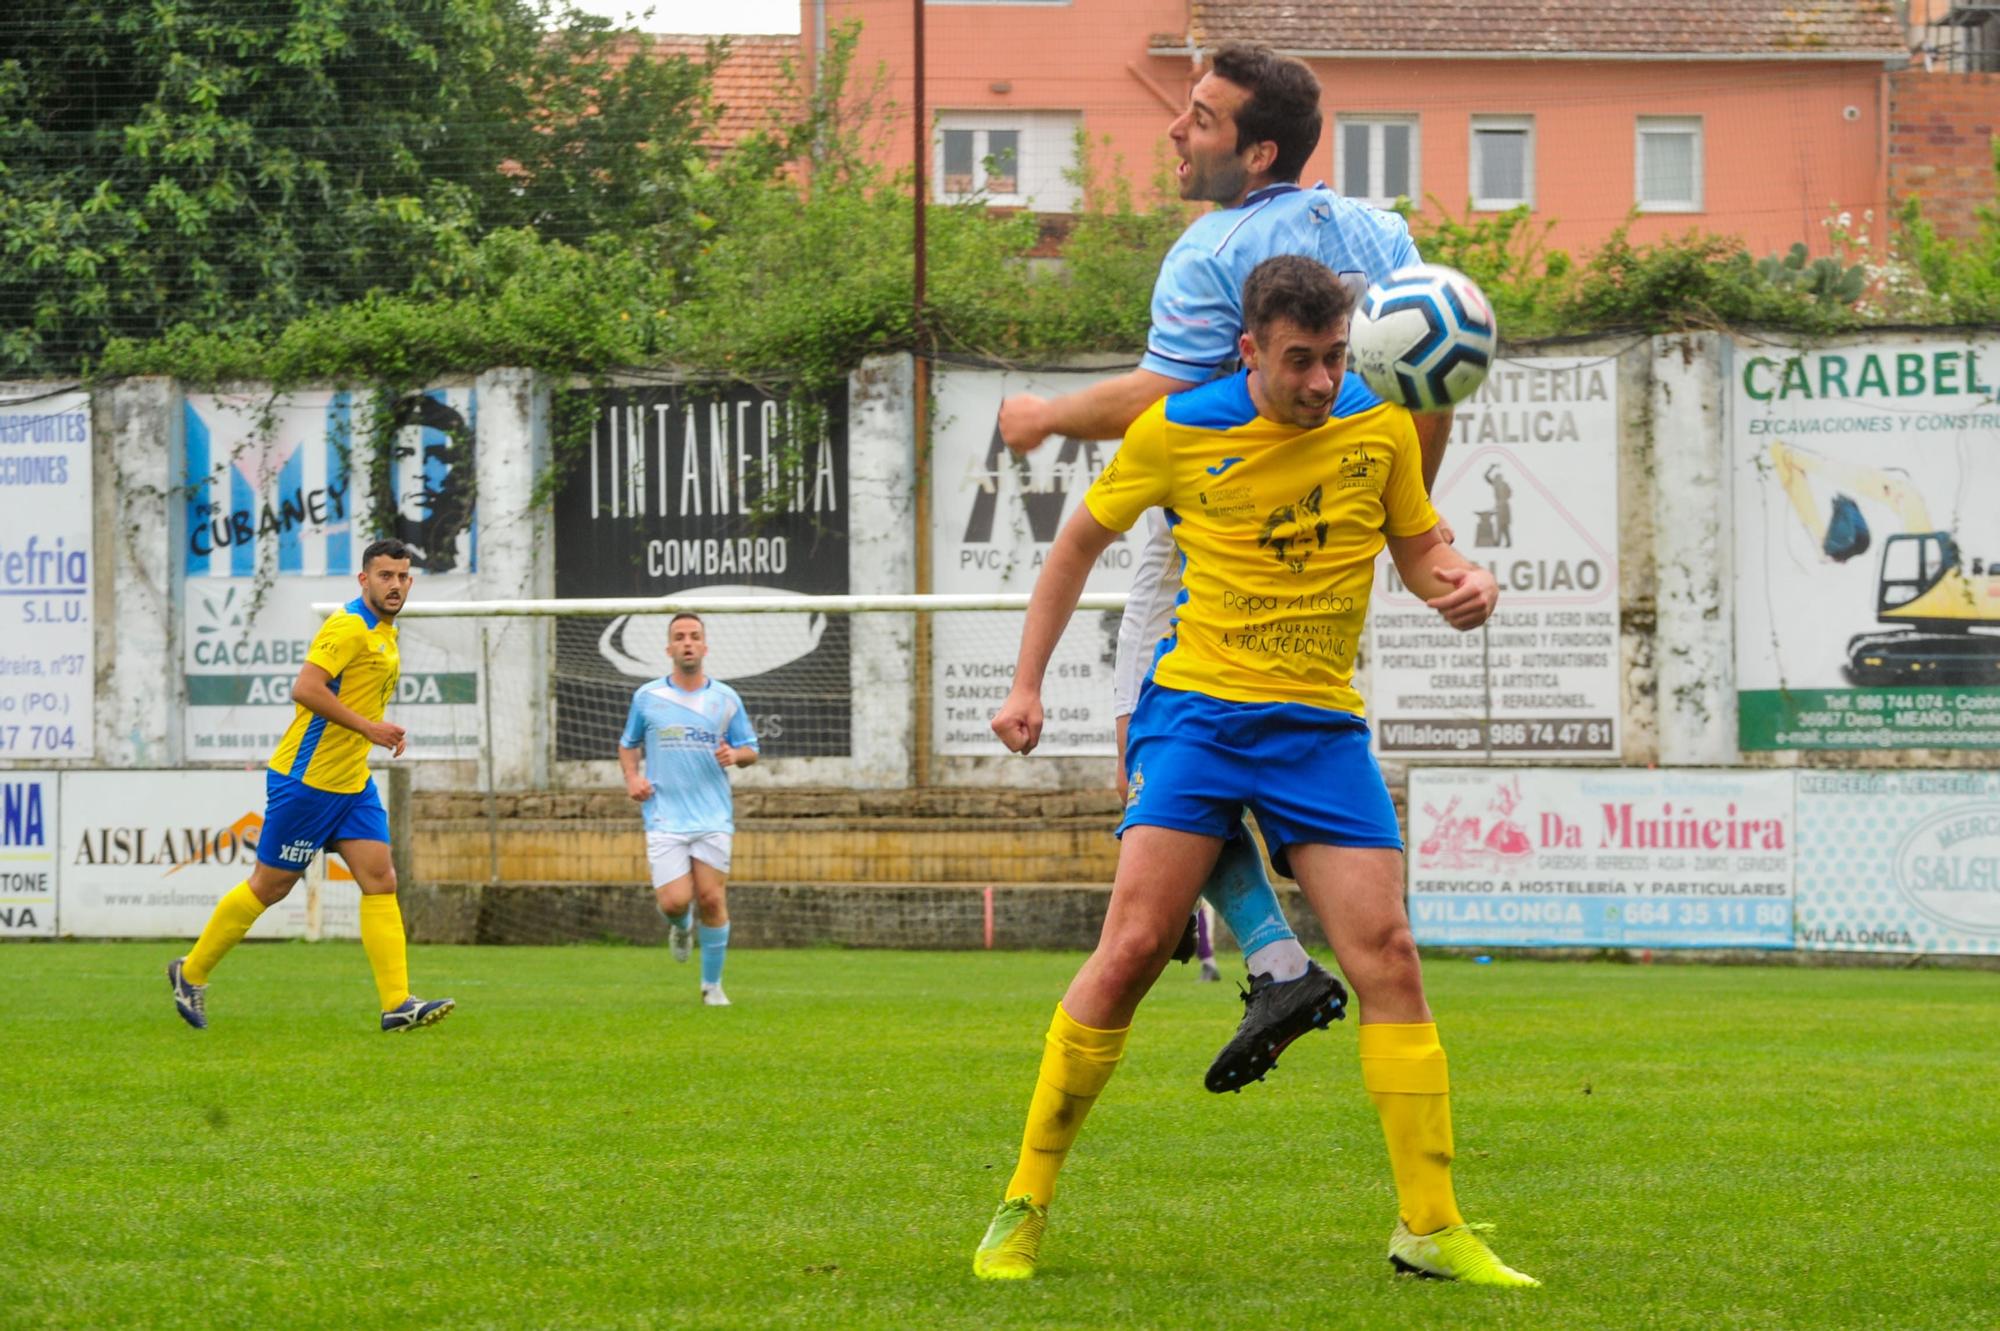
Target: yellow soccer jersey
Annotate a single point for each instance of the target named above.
(359, 651)
(1278, 530)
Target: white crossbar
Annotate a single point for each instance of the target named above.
(726, 605)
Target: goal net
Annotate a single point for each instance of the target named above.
(805, 666)
(872, 786)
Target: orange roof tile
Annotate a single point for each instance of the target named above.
(1774, 29)
(747, 87)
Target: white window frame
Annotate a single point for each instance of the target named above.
(1375, 123)
(981, 135)
(1525, 124)
(1690, 126)
(1045, 149)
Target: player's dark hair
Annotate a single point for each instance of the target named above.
(1283, 106)
(1291, 286)
(687, 614)
(387, 548)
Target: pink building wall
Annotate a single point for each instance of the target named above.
(1786, 145)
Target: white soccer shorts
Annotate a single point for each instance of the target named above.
(671, 854)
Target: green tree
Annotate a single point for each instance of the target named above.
(232, 165)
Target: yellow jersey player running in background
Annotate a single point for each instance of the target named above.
(319, 795)
(1282, 483)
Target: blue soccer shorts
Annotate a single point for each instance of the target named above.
(300, 820)
(1193, 762)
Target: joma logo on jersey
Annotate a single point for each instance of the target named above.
(1222, 466)
(1293, 531)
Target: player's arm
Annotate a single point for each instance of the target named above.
(636, 784)
(1083, 538)
(1433, 435)
(313, 691)
(1105, 410)
(1196, 314)
(739, 740)
(631, 756)
(1458, 589)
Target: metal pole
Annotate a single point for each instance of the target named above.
(921, 731)
(492, 798)
(1486, 675)
(920, 159)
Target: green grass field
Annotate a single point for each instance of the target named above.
(582, 1145)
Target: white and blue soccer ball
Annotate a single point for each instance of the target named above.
(1424, 337)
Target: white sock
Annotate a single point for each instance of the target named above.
(1282, 960)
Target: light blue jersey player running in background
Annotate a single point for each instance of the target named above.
(1251, 126)
(688, 730)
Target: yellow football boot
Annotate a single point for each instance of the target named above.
(1452, 1253)
(1013, 1242)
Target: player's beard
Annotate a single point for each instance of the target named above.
(1217, 180)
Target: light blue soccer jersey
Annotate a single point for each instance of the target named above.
(1198, 300)
(679, 732)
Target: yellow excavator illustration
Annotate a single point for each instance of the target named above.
(1946, 613)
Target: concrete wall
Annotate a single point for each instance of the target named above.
(1676, 600)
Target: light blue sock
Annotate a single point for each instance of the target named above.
(714, 949)
(1241, 894)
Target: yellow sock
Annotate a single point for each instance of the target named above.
(382, 940)
(1076, 1062)
(1403, 1067)
(233, 916)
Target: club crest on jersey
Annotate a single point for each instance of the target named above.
(1358, 469)
(1293, 531)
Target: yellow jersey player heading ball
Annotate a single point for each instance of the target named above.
(319, 795)
(1282, 483)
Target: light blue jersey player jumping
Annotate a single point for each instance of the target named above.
(1251, 126)
(686, 730)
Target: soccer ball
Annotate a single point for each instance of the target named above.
(1424, 337)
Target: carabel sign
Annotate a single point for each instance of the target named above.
(1867, 560)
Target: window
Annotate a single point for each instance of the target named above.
(1377, 158)
(1669, 164)
(1010, 158)
(1503, 162)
